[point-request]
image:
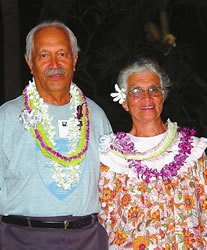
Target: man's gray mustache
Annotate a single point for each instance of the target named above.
(54, 71)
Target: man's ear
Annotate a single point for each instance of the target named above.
(125, 106)
(75, 62)
(28, 62)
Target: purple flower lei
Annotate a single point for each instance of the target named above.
(124, 145)
(79, 116)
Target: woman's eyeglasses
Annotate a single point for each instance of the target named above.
(153, 91)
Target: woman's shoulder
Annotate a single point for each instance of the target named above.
(199, 147)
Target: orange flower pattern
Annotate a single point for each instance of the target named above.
(120, 237)
(107, 195)
(140, 243)
(125, 200)
(156, 215)
(104, 168)
(188, 202)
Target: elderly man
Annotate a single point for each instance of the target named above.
(49, 164)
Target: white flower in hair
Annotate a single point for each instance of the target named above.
(120, 94)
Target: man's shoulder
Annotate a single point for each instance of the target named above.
(12, 105)
(93, 105)
(97, 114)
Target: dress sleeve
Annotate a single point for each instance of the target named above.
(202, 196)
(107, 193)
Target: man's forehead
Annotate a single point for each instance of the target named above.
(51, 34)
(52, 31)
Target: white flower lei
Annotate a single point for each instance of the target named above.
(65, 177)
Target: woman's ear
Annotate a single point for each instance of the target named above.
(125, 106)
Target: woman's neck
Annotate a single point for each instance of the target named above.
(148, 129)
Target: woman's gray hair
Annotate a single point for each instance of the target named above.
(30, 37)
(139, 66)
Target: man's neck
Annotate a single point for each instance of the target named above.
(57, 99)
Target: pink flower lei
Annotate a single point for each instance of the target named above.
(125, 146)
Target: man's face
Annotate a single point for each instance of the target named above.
(52, 62)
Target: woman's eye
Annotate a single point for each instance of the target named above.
(136, 91)
(152, 90)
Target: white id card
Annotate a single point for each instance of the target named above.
(63, 128)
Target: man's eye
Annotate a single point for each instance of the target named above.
(62, 54)
(44, 55)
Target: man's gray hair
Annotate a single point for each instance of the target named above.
(45, 24)
(141, 65)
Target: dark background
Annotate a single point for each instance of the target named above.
(111, 34)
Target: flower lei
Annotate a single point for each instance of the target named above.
(171, 169)
(35, 118)
(123, 147)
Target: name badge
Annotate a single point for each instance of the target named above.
(63, 128)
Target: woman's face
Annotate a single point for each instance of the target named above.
(146, 108)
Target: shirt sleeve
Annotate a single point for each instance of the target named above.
(107, 126)
(2, 120)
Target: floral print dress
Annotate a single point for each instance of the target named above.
(159, 214)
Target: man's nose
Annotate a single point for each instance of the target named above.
(54, 62)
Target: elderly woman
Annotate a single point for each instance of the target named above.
(153, 184)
